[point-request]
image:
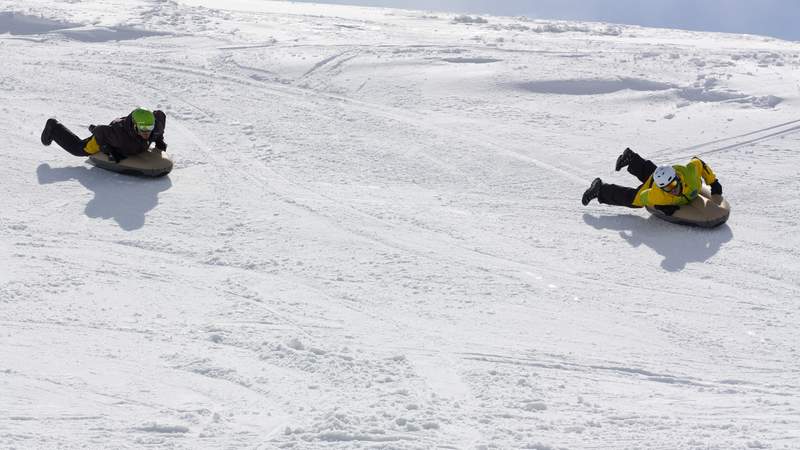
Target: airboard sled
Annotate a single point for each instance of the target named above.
(147, 164)
(706, 211)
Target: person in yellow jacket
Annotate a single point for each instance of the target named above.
(666, 188)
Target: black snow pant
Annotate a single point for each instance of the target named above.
(68, 141)
(612, 194)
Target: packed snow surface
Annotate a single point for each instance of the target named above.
(373, 236)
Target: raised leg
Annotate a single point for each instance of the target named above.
(612, 194)
(55, 131)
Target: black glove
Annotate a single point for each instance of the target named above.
(667, 209)
(113, 154)
(161, 145)
(92, 127)
(716, 188)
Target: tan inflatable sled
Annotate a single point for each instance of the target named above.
(706, 211)
(147, 164)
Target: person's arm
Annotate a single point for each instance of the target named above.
(158, 131)
(708, 176)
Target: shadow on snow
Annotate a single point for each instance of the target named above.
(678, 244)
(123, 198)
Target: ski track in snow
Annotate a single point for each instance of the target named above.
(373, 237)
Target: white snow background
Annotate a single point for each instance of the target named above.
(373, 236)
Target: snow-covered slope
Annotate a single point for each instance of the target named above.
(373, 234)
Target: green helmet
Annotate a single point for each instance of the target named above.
(143, 120)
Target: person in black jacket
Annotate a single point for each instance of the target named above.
(123, 137)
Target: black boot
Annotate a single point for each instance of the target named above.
(624, 159)
(592, 192)
(58, 133)
(47, 133)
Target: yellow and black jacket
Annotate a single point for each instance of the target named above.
(691, 177)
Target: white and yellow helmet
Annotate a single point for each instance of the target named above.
(665, 177)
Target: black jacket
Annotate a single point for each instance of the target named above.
(122, 137)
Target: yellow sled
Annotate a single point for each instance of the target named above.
(706, 211)
(147, 164)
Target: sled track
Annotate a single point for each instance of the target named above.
(327, 60)
(767, 137)
(753, 137)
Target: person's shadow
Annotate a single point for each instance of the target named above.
(124, 198)
(678, 244)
